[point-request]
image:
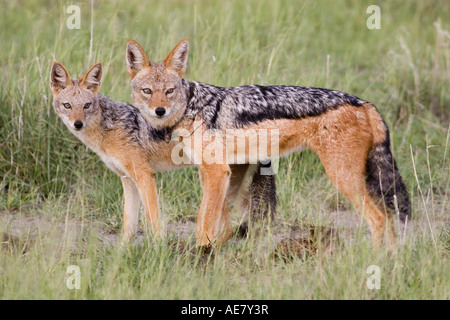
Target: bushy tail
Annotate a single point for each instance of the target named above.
(383, 179)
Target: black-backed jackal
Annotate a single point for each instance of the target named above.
(135, 150)
(347, 133)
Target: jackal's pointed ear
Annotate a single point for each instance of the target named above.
(59, 78)
(93, 78)
(136, 58)
(177, 59)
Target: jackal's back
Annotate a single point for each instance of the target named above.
(241, 106)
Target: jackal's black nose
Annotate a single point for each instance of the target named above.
(78, 124)
(160, 111)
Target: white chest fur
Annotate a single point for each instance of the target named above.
(94, 143)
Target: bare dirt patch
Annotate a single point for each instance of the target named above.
(19, 231)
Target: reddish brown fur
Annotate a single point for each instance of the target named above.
(342, 138)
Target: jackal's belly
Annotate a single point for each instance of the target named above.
(266, 140)
(162, 165)
(253, 144)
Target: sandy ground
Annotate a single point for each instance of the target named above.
(19, 230)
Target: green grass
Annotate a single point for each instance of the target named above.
(63, 205)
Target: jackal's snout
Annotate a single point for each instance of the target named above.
(160, 112)
(78, 125)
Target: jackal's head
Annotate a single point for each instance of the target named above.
(75, 101)
(156, 88)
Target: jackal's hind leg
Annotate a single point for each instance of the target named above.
(254, 193)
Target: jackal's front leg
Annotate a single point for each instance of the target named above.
(146, 185)
(213, 224)
(131, 209)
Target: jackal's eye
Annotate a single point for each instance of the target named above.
(147, 91)
(169, 91)
(67, 105)
(87, 105)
